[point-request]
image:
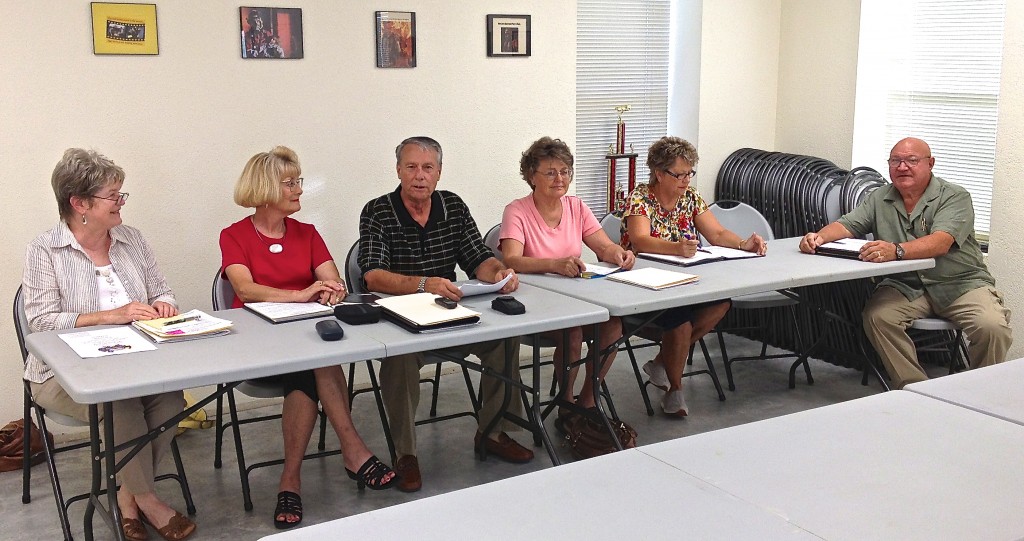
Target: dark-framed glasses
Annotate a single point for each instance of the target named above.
(680, 176)
(911, 161)
(291, 184)
(119, 199)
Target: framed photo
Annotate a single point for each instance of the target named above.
(508, 35)
(396, 39)
(270, 32)
(124, 28)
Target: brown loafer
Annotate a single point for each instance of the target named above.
(134, 530)
(408, 470)
(178, 528)
(505, 448)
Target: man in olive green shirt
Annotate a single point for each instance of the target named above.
(921, 216)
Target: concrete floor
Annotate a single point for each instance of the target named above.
(446, 455)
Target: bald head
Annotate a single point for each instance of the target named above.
(911, 146)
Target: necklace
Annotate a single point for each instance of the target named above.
(274, 248)
(105, 273)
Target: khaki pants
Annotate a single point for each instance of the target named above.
(400, 390)
(980, 313)
(132, 418)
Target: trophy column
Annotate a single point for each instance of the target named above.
(617, 193)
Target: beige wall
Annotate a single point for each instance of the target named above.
(739, 70)
(1006, 251)
(182, 124)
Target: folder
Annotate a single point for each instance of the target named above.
(419, 313)
(283, 312)
(845, 248)
(654, 278)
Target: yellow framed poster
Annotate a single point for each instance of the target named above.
(124, 28)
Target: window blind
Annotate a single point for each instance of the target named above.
(941, 73)
(622, 52)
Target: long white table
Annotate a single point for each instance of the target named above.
(994, 390)
(256, 348)
(896, 465)
(625, 495)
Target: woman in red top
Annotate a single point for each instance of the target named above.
(270, 257)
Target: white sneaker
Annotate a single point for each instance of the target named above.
(656, 375)
(674, 403)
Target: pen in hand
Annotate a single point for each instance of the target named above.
(179, 320)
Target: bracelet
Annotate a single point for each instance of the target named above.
(740, 246)
(421, 288)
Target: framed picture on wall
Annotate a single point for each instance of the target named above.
(270, 32)
(508, 35)
(124, 29)
(396, 39)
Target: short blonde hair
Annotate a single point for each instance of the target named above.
(82, 173)
(663, 154)
(260, 182)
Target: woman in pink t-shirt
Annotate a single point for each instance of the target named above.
(545, 232)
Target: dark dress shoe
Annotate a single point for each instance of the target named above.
(408, 470)
(505, 448)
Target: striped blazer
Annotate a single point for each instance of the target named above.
(59, 282)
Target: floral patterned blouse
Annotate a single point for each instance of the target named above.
(669, 225)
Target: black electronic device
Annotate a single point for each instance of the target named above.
(357, 314)
(446, 302)
(507, 304)
(329, 330)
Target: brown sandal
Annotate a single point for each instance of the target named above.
(178, 528)
(134, 530)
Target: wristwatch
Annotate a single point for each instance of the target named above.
(422, 288)
(899, 252)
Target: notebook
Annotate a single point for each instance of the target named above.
(282, 312)
(419, 313)
(703, 255)
(185, 326)
(654, 278)
(846, 248)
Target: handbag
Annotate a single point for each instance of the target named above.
(12, 445)
(588, 437)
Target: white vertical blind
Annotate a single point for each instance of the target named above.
(622, 51)
(934, 67)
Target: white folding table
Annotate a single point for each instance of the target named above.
(996, 390)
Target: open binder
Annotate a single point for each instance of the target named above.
(704, 255)
(419, 313)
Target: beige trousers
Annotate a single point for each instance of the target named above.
(132, 418)
(980, 313)
(400, 390)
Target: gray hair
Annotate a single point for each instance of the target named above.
(82, 173)
(424, 142)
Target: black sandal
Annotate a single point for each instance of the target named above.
(371, 474)
(288, 503)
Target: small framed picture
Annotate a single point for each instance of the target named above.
(124, 29)
(508, 35)
(270, 32)
(396, 39)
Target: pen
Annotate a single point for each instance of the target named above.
(703, 250)
(180, 320)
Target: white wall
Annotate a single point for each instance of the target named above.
(182, 124)
(739, 70)
(818, 78)
(1006, 251)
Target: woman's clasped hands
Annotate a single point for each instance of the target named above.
(324, 292)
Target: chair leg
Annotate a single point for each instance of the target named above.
(474, 398)
(385, 425)
(725, 359)
(639, 379)
(186, 492)
(26, 462)
(607, 393)
(51, 466)
(437, 386)
(711, 370)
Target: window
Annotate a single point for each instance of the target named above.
(621, 58)
(930, 69)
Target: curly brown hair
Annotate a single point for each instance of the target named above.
(542, 149)
(663, 153)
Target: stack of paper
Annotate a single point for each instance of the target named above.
(597, 270)
(654, 278)
(187, 326)
(281, 312)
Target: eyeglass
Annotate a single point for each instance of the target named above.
(679, 176)
(552, 174)
(292, 184)
(911, 161)
(120, 199)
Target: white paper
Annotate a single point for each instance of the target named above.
(476, 287)
(421, 309)
(281, 310)
(846, 245)
(597, 270)
(103, 342)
